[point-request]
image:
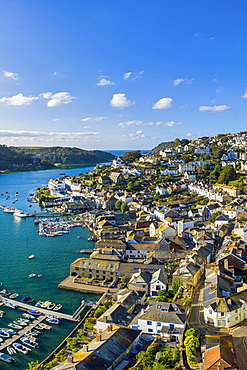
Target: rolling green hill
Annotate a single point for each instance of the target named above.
(22, 158)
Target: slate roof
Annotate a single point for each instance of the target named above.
(110, 350)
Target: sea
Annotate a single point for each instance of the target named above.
(19, 239)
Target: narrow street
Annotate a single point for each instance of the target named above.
(239, 334)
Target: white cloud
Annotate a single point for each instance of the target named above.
(56, 119)
(120, 101)
(12, 75)
(180, 80)
(170, 124)
(19, 99)
(55, 100)
(44, 135)
(127, 75)
(85, 127)
(87, 119)
(128, 123)
(214, 109)
(245, 94)
(137, 135)
(189, 134)
(104, 81)
(163, 103)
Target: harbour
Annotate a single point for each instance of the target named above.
(19, 240)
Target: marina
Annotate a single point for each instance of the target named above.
(52, 260)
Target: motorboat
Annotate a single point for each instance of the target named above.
(31, 257)
(27, 299)
(6, 358)
(31, 275)
(14, 326)
(57, 307)
(4, 334)
(34, 312)
(4, 292)
(28, 316)
(52, 320)
(29, 342)
(10, 331)
(44, 326)
(33, 332)
(46, 304)
(11, 305)
(51, 306)
(19, 347)
(11, 350)
(20, 322)
(39, 303)
(2, 313)
(14, 295)
(9, 210)
(20, 213)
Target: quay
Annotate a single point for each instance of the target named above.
(27, 307)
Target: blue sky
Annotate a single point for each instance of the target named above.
(121, 74)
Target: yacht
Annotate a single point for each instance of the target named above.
(6, 358)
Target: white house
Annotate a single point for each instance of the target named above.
(158, 282)
(165, 319)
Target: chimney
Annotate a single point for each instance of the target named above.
(109, 328)
(226, 265)
(98, 338)
(85, 348)
(104, 319)
(70, 359)
(187, 259)
(195, 260)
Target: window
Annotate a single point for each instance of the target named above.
(171, 327)
(210, 312)
(158, 331)
(149, 322)
(157, 287)
(150, 330)
(158, 323)
(164, 309)
(222, 314)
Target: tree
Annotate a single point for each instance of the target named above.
(124, 207)
(192, 342)
(214, 215)
(227, 174)
(34, 366)
(176, 284)
(118, 204)
(193, 332)
(131, 156)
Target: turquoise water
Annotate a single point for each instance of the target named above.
(19, 239)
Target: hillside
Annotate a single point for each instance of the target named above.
(164, 145)
(16, 158)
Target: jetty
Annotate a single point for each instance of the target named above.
(44, 311)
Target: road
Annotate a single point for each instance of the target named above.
(239, 334)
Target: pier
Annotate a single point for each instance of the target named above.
(44, 311)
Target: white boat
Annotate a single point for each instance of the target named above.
(10, 305)
(11, 350)
(20, 213)
(19, 347)
(31, 275)
(57, 307)
(31, 257)
(13, 296)
(4, 334)
(28, 316)
(14, 326)
(52, 320)
(29, 342)
(9, 210)
(6, 358)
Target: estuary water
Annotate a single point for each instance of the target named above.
(18, 240)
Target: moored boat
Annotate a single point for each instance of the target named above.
(6, 358)
(19, 347)
(28, 316)
(14, 295)
(11, 305)
(57, 307)
(27, 299)
(29, 342)
(14, 326)
(4, 334)
(11, 350)
(39, 303)
(31, 275)
(52, 320)
(31, 257)
(34, 312)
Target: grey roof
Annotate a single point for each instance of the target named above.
(110, 350)
(159, 275)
